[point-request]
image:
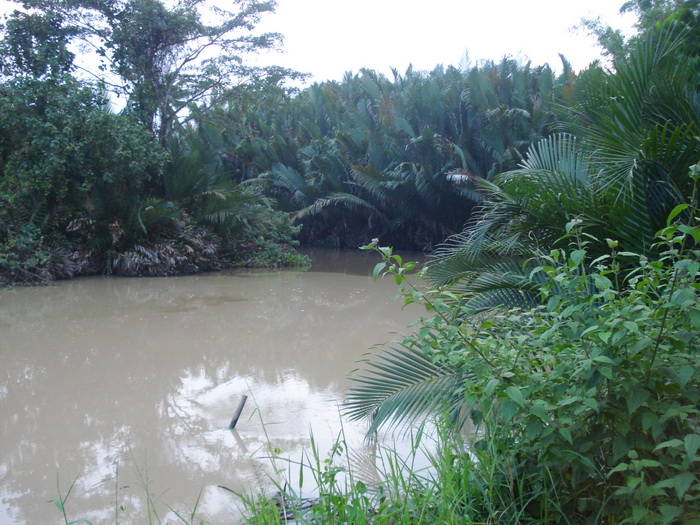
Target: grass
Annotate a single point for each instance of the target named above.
(153, 501)
(450, 488)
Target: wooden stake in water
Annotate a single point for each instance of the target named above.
(238, 413)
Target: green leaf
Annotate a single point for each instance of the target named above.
(648, 463)
(377, 269)
(603, 358)
(649, 420)
(682, 483)
(692, 443)
(683, 296)
(491, 387)
(631, 326)
(567, 401)
(670, 512)
(533, 429)
(620, 467)
(508, 411)
(620, 447)
(694, 315)
(674, 213)
(606, 372)
(637, 399)
(669, 443)
(638, 513)
(58, 504)
(567, 435)
(516, 395)
(591, 403)
(577, 256)
(602, 283)
(539, 411)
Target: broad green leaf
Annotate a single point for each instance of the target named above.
(539, 411)
(638, 513)
(567, 401)
(567, 435)
(603, 358)
(692, 443)
(602, 283)
(637, 399)
(682, 296)
(648, 463)
(508, 410)
(577, 256)
(620, 467)
(591, 403)
(377, 269)
(694, 315)
(490, 387)
(620, 447)
(606, 372)
(516, 395)
(682, 483)
(669, 443)
(670, 512)
(533, 429)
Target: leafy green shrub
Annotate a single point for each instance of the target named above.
(23, 258)
(588, 406)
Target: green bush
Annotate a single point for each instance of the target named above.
(587, 407)
(595, 395)
(24, 258)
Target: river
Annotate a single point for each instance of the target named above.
(126, 386)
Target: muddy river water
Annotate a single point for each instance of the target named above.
(126, 386)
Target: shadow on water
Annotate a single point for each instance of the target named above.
(145, 374)
(351, 262)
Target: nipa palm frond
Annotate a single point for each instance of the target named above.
(402, 383)
(340, 200)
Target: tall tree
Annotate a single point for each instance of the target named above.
(165, 57)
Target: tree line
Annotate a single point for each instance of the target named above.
(212, 160)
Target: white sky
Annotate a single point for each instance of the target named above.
(329, 37)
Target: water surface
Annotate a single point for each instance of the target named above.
(127, 385)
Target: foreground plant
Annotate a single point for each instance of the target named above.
(587, 406)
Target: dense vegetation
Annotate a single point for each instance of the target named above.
(563, 317)
(564, 320)
(84, 189)
(209, 157)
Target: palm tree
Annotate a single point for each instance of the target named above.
(627, 168)
(637, 129)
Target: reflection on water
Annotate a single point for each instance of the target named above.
(128, 385)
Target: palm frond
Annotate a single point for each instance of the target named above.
(339, 200)
(402, 383)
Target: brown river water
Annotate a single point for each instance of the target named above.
(126, 386)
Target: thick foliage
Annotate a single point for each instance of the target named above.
(619, 176)
(163, 57)
(378, 157)
(588, 404)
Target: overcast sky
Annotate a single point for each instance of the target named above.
(328, 37)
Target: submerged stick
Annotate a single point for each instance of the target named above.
(232, 425)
